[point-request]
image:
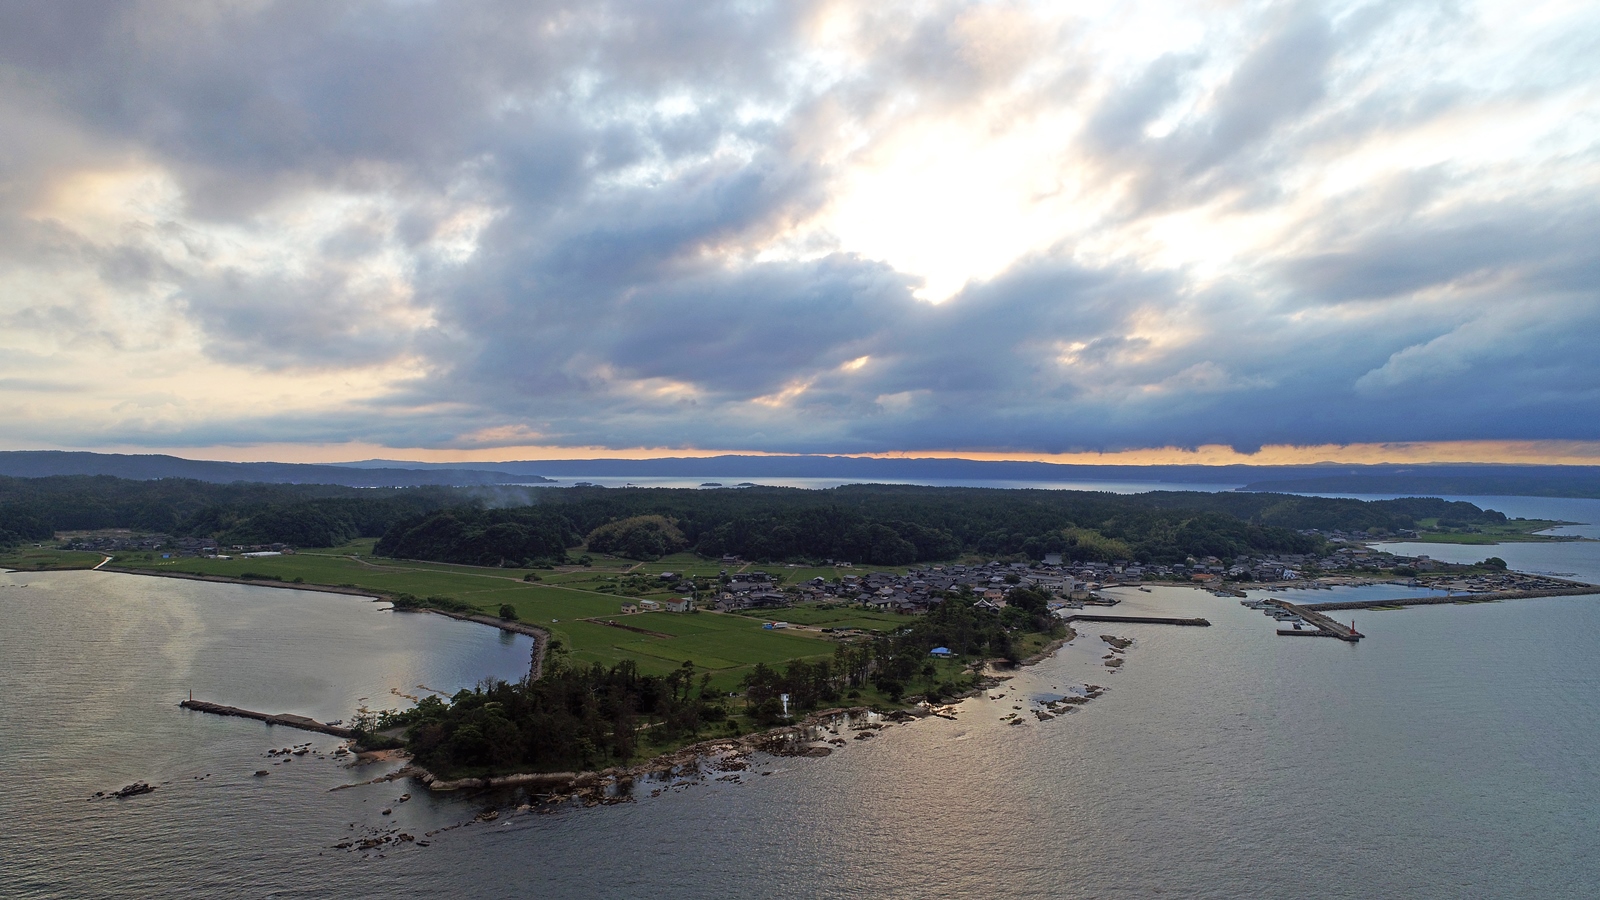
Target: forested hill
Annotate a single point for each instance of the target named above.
(895, 525)
(34, 509)
(873, 524)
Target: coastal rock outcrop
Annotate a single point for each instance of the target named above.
(133, 790)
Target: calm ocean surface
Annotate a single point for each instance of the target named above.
(1448, 755)
(730, 481)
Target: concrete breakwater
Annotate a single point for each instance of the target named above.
(1455, 598)
(1322, 623)
(303, 723)
(1148, 620)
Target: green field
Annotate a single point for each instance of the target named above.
(1514, 531)
(36, 560)
(835, 617)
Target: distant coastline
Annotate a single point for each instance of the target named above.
(1429, 479)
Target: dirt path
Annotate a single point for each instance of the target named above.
(514, 580)
(615, 624)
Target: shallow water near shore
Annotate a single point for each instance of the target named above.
(92, 667)
(1447, 755)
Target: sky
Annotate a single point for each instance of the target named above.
(1143, 231)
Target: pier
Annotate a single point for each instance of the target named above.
(1325, 626)
(1146, 620)
(303, 723)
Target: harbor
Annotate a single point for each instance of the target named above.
(1295, 620)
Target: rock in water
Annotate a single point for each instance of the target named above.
(133, 790)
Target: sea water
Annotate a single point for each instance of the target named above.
(92, 667)
(1448, 755)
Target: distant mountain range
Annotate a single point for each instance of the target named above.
(1328, 478)
(43, 463)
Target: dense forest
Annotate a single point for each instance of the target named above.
(572, 717)
(588, 717)
(870, 524)
(898, 525)
(482, 537)
(34, 509)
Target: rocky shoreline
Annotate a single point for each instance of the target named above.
(814, 736)
(729, 759)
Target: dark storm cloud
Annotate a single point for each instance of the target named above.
(1525, 246)
(621, 166)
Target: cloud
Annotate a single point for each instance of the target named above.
(810, 227)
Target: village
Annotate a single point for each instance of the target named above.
(1073, 584)
(163, 545)
(915, 590)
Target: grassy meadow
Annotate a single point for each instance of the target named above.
(1511, 532)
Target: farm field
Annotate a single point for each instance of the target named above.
(836, 617)
(37, 559)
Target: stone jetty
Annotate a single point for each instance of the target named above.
(1147, 620)
(303, 723)
(1574, 591)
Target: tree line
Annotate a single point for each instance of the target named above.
(869, 524)
(898, 525)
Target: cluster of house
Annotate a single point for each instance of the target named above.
(1340, 559)
(127, 542)
(915, 591)
(1367, 559)
(167, 545)
(1503, 581)
(923, 587)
